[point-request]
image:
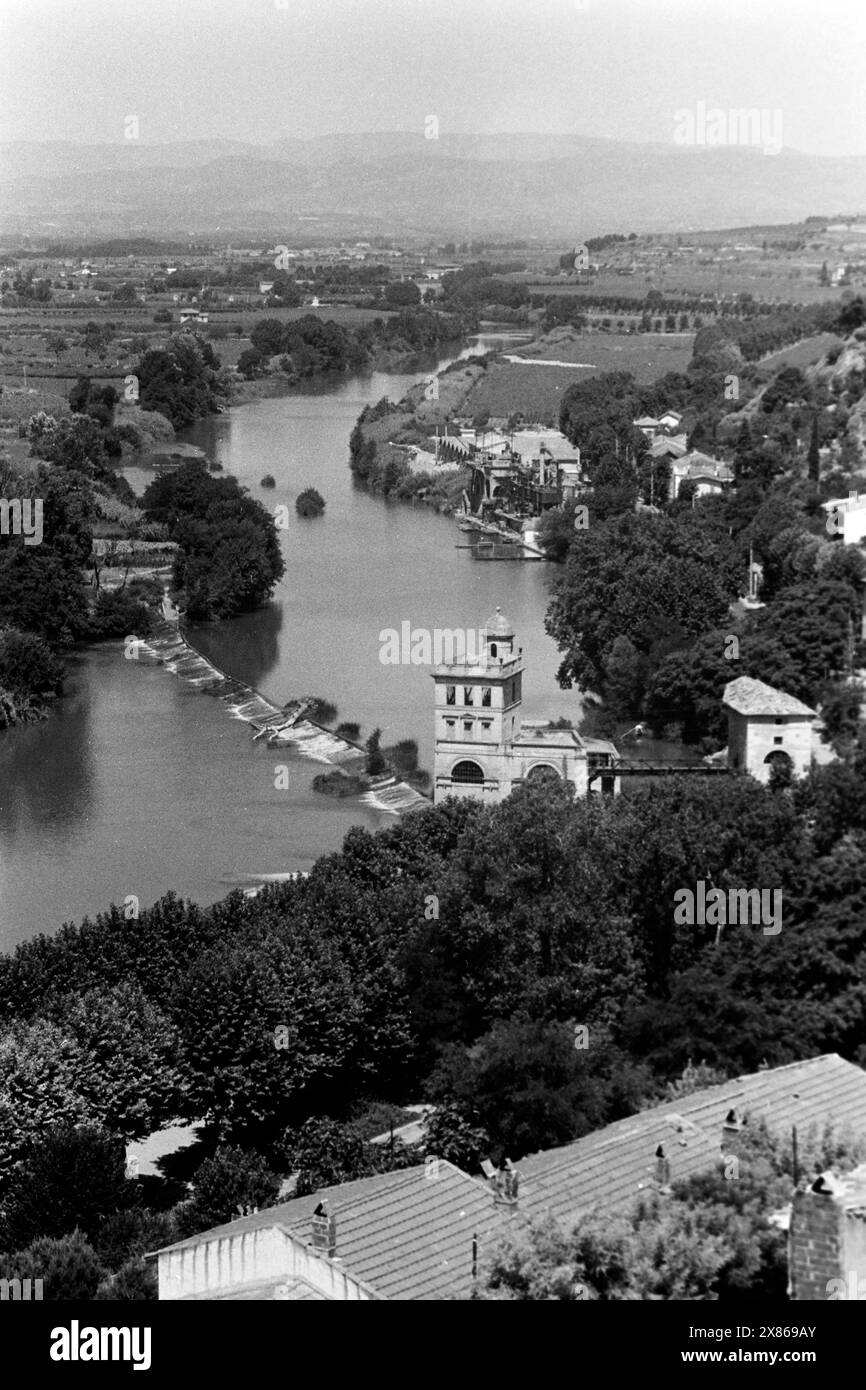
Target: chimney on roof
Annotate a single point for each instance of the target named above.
(324, 1230)
(663, 1168)
(732, 1133)
(505, 1182)
(826, 1251)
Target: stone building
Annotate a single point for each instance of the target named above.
(767, 726)
(483, 748)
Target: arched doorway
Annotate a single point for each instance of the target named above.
(542, 772)
(781, 768)
(466, 773)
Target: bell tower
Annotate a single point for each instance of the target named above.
(478, 703)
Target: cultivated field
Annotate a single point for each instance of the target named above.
(779, 283)
(537, 390)
(801, 354)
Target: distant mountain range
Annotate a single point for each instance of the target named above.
(461, 186)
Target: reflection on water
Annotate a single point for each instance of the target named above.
(46, 773)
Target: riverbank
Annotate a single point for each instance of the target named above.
(137, 784)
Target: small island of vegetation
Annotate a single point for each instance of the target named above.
(310, 503)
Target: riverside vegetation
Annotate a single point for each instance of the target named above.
(447, 958)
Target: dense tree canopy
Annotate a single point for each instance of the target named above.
(229, 558)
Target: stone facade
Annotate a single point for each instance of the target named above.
(764, 725)
(484, 750)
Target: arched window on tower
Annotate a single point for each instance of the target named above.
(467, 772)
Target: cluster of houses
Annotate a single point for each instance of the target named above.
(667, 440)
(527, 471)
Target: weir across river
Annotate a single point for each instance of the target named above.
(282, 726)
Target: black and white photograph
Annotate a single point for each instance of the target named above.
(433, 666)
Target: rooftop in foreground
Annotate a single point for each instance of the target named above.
(412, 1234)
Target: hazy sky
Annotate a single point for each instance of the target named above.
(260, 69)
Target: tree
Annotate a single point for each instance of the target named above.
(452, 1132)
(129, 1076)
(841, 704)
(325, 1152)
(641, 577)
(375, 762)
(224, 1187)
(309, 503)
(531, 1088)
(68, 1267)
(624, 679)
(41, 593)
(229, 557)
(402, 293)
(251, 363)
(125, 293)
(135, 1281)
(814, 455)
(29, 671)
(180, 381)
(72, 1177)
(268, 337)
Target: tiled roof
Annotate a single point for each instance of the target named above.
(609, 1169)
(406, 1234)
(698, 465)
(668, 445)
(748, 696)
(498, 625)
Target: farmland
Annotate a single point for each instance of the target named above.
(801, 354)
(536, 390)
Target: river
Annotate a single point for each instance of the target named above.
(138, 784)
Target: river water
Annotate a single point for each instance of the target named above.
(138, 783)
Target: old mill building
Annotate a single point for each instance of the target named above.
(483, 749)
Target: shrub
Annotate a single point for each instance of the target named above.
(72, 1178)
(69, 1267)
(136, 1281)
(337, 783)
(232, 1178)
